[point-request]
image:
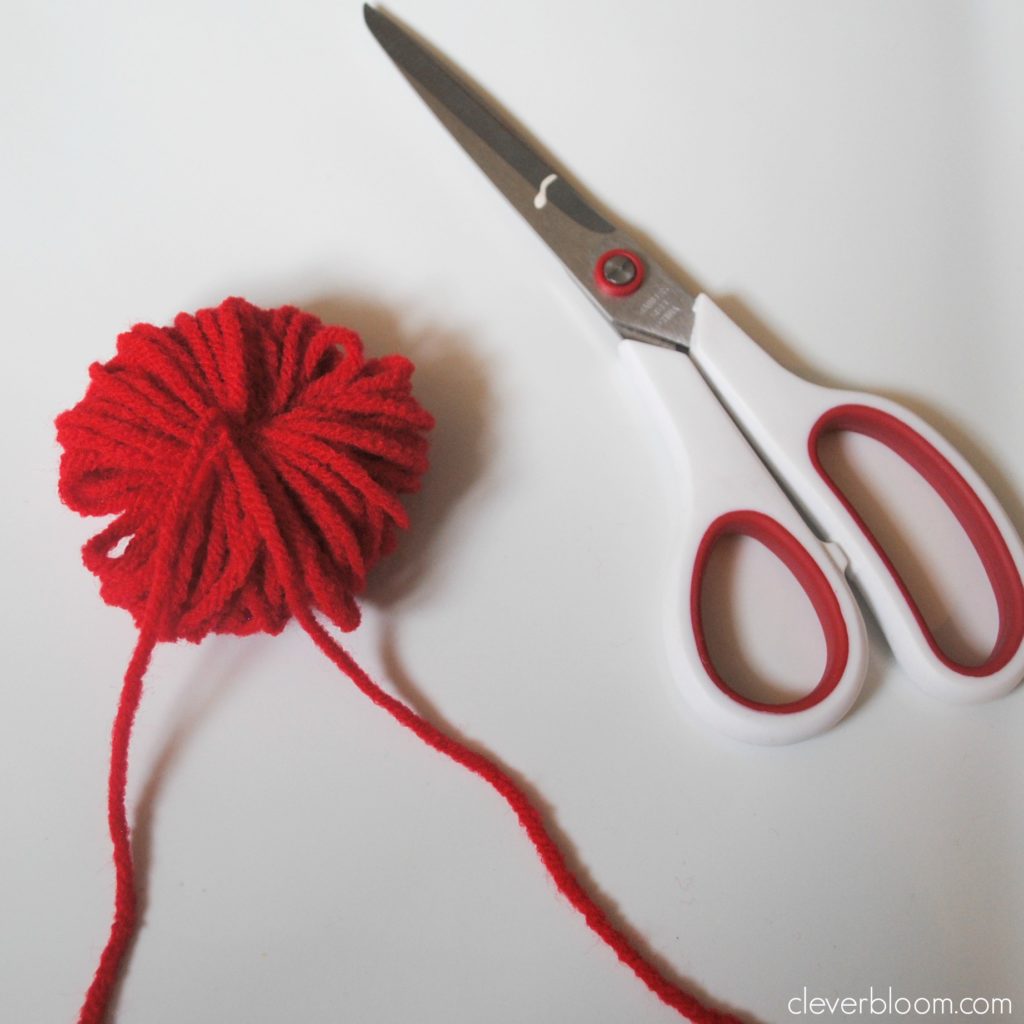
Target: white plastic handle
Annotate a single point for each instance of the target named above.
(730, 493)
(785, 418)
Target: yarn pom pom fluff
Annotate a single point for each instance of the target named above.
(234, 428)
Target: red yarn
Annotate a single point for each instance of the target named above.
(254, 460)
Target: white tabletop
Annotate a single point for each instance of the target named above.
(843, 178)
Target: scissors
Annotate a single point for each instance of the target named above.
(748, 436)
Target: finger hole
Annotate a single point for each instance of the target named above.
(767, 624)
(760, 628)
(928, 549)
(932, 532)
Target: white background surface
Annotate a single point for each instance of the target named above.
(843, 177)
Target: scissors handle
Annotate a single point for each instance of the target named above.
(731, 493)
(787, 418)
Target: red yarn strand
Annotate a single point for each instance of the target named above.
(97, 998)
(531, 821)
(254, 461)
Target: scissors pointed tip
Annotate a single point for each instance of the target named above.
(377, 21)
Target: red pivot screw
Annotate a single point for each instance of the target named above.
(618, 272)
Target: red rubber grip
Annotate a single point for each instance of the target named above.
(795, 557)
(961, 499)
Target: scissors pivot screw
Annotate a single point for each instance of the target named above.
(618, 272)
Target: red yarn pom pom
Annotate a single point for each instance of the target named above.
(173, 431)
(254, 461)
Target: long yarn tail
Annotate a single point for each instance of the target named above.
(530, 819)
(104, 982)
(101, 991)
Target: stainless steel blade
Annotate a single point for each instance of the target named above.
(659, 311)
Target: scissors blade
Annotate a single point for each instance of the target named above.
(659, 311)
